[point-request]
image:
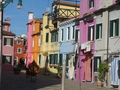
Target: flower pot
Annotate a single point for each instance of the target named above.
(99, 84)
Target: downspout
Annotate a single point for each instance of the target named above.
(107, 61)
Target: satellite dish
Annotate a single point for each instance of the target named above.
(47, 9)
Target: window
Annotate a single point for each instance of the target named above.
(67, 59)
(68, 33)
(7, 59)
(91, 3)
(91, 33)
(98, 31)
(61, 37)
(97, 61)
(41, 26)
(33, 27)
(33, 43)
(47, 37)
(54, 37)
(60, 59)
(18, 42)
(39, 41)
(76, 35)
(73, 32)
(53, 58)
(114, 27)
(19, 50)
(39, 59)
(8, 41)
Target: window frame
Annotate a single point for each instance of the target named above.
(99, 31)
(68, 33)
(91, 33)
(114, 29)
(18, 50)
(90, 4)
(5, 41)
(4, 61)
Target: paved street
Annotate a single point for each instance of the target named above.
(11, 81)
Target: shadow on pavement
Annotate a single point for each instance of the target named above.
(11, 81)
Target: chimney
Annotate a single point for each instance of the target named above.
(7, 20)
(30, 15)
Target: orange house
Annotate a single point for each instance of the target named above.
(36, 40)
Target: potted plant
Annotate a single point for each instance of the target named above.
(103, 68)
(16, 70)
(59, 69)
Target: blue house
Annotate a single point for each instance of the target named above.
(66, 45)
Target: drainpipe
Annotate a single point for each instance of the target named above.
(107, 61)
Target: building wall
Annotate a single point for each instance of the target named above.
(29, 47)
(8, 50)
(35, 37)
(21, 55)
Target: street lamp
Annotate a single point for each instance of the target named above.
(3, 4)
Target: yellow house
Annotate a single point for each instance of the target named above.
(36, 40)
(49, 35)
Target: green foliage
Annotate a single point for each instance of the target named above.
(103, 68)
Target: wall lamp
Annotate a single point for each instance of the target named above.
(3, 4)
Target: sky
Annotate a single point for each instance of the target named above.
(19, 17)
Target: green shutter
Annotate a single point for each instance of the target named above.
(117, 28)
(50, 59)
(55, 58)
(67, 56)
(11, 41)
(97, 31)
(89, 33)
(60, 59)
(76, 35)
(111, 28)
(62, 34)
(47, 37)
(73, 32)
(96, 60)
(56, 37)
(5, 41)
(95, 64)
(93, 33)
(10, 59)
(39, 59)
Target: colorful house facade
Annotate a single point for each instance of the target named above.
(29, 40)
(7, 47)
(66, 45)
(20, 50)
(49, 46)
(36, 40)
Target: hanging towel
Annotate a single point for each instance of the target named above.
(114, 73)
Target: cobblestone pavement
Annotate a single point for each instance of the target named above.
(11, 81)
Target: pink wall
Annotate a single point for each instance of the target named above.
(84, 6)
(29, 45)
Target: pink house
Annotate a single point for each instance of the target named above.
(85, 63)
(29, 40)
(7, 47)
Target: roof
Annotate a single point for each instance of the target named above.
(8, 33)
(5, 23)
(67, 3)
